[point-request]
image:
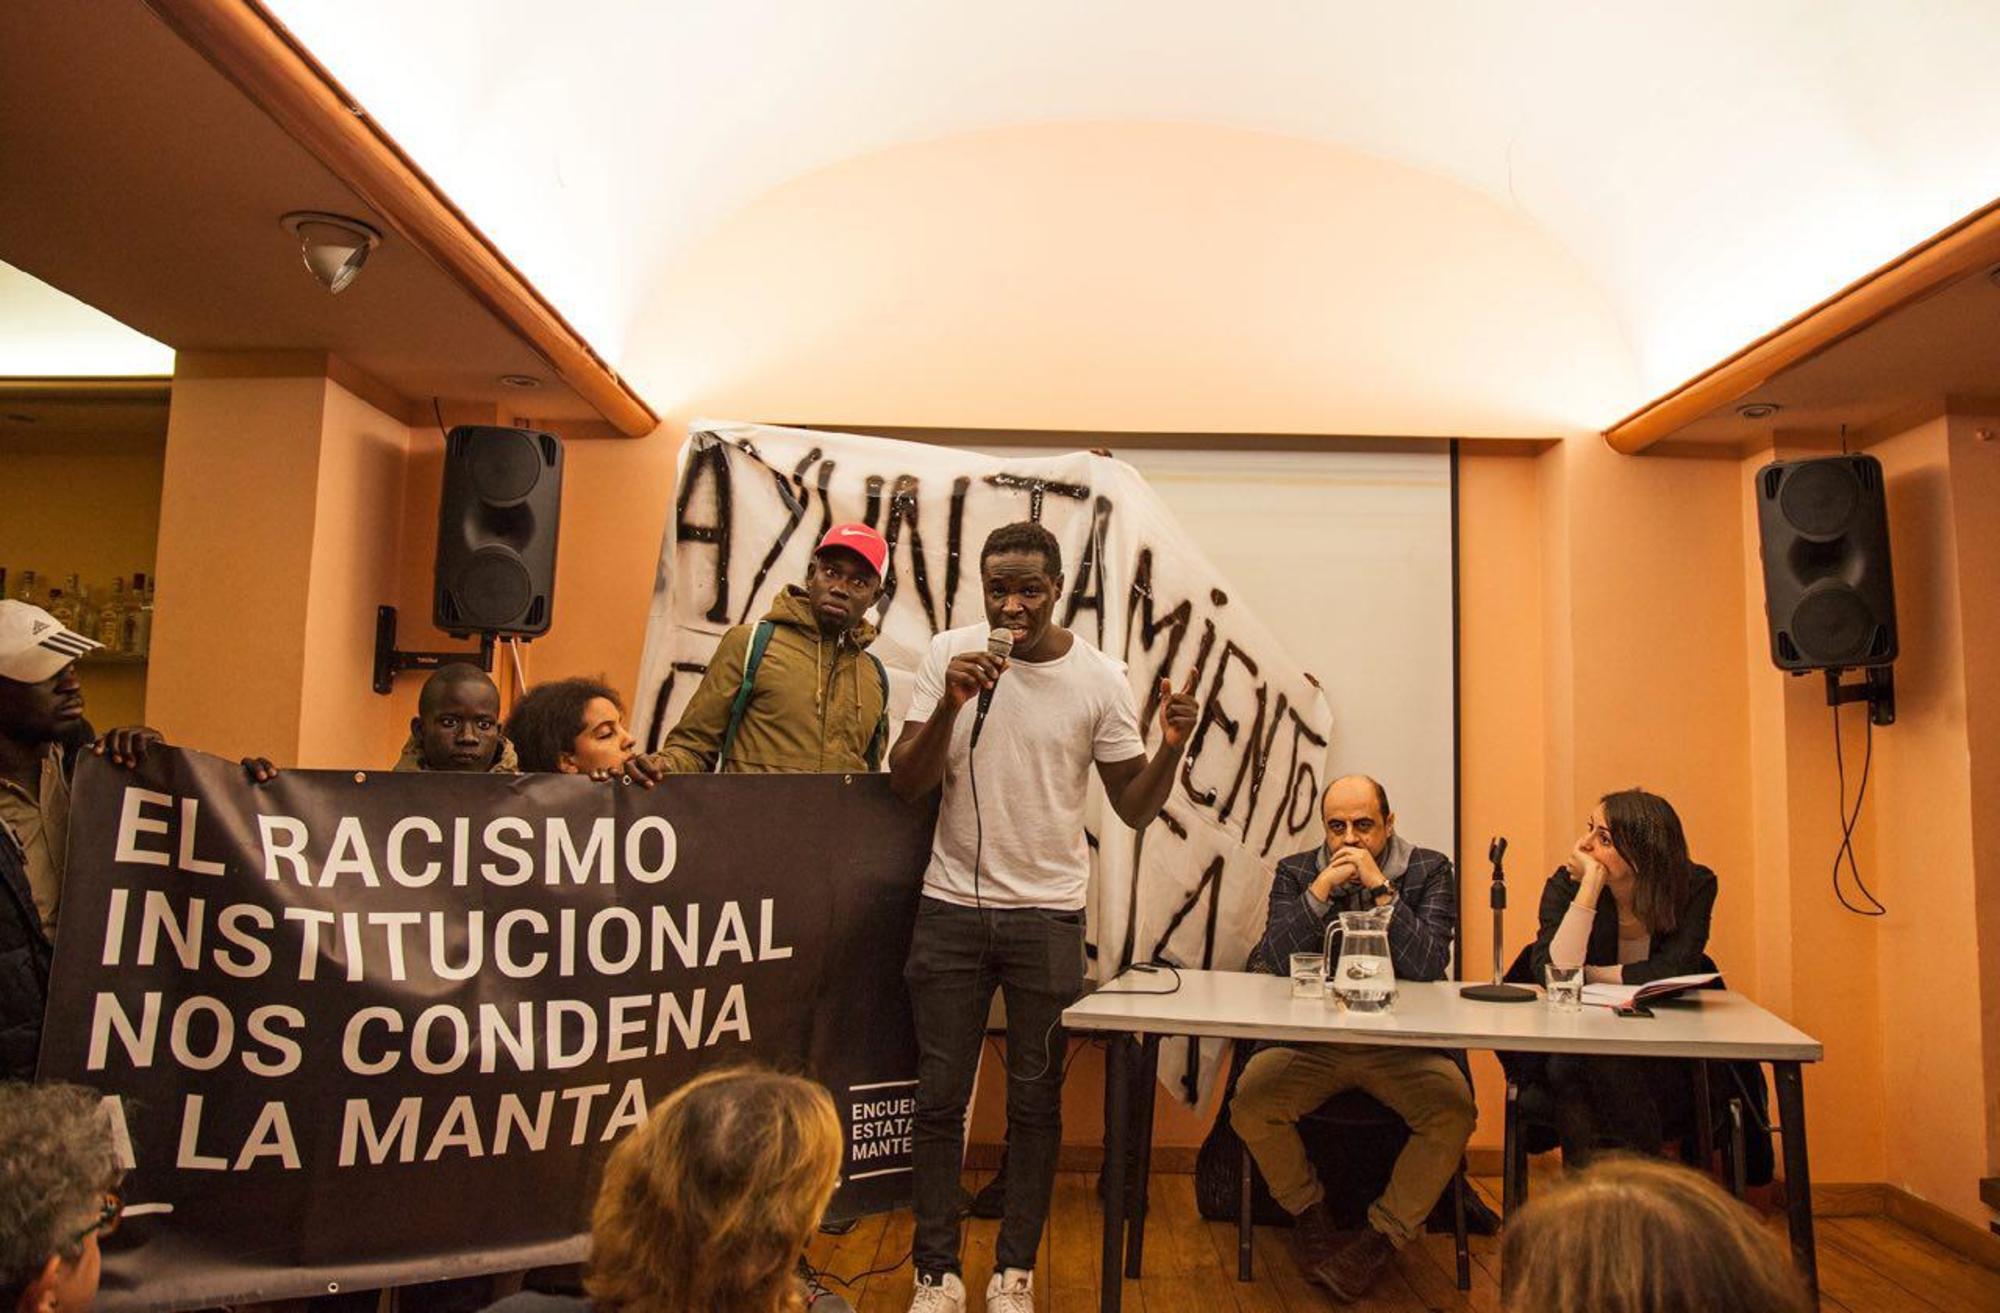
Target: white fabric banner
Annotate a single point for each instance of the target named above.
(752, 502)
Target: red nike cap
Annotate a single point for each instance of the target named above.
(863, 541)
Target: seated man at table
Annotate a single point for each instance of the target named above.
(1363, 863)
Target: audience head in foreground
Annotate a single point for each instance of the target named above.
(711, 1203)
(57, 1177)
(1638, 1235)
(571, 727)
(457, 725)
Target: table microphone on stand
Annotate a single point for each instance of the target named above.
(1498, 992)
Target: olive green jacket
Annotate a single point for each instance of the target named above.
(814, 706)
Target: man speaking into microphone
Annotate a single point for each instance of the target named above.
(1004, 893)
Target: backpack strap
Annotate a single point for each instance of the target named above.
(879, 743)
(760, 638)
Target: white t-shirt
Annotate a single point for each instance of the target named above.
(1049, 722)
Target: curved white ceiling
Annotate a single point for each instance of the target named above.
(1714, 167)
(45, 333)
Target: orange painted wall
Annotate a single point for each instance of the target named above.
(1974, 448)
(106, 524)
(1928, 967)
(364, 458)
(239, 511)
(281, 530)
(616, 497)
(1655, 626)
(1503, 723)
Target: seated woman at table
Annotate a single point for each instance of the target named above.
(1629, 907)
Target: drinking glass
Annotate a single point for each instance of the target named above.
(1308, 975)
(1565, 988)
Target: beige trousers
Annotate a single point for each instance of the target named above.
(1425, 1088)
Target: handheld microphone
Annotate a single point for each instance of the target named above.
(1498, 991)
(999, 643)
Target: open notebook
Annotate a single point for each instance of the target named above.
(1620, 996)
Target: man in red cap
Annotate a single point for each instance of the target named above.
(797, 691)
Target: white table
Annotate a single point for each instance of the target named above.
(1132, 1011)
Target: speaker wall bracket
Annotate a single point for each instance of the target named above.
(1877, 689)
(390, 661)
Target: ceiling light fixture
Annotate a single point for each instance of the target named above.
(1758, 410)
(522, 381)
(334, 247)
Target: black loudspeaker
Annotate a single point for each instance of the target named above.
(497, 520)
(1828, 595)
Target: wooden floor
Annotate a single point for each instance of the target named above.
(1866, 1264)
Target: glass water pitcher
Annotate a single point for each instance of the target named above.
(1362, 978)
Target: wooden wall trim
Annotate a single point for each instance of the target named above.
(250, 47)
(1971, 244)
(1943, 1226)
(1153, 440)
(87, 390)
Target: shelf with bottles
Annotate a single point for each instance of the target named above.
(119, 615)
(103, 657)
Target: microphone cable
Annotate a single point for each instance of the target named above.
(972, 776)
(1146, 968)
(1844, 854)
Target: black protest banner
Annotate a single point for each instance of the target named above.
(367, 1030)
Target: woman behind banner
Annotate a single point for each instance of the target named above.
(708, 1207)
(1630, 907)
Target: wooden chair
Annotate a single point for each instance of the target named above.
(1531, 1128)
(1350, 1110)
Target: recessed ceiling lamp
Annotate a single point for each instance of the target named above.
(334, 247)
(1758, 410)
(522, 381)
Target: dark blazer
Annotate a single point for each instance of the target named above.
(25, 953)
(1421, 928)
(1675, 953)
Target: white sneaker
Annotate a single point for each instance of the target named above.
(1011, 1290)
(945, 1295)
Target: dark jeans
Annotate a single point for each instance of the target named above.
(958, 956)
(1608, 1104)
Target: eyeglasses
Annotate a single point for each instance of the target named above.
(107, 1219)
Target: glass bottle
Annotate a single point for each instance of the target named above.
(63, 607)
(142, 615)
(111, 618)
(69, 597)
(26, 588)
